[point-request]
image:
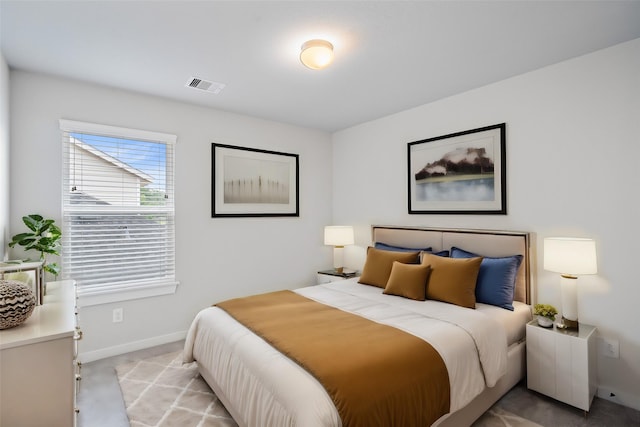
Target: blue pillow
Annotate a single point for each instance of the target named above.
(496, 279)
(386, 247)
(440, 253)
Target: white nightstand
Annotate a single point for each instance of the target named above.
(562, 363)
(328, 276)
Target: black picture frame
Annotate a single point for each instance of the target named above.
(459, 173)
(250, 182)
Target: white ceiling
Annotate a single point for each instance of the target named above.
(389, 55)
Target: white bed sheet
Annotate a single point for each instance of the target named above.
(267, 388)
(514, 322)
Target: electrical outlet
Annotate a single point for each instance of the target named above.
(117, 315)
(610, 348)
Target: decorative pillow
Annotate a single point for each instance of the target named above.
(439, 253)
(377, 267)
(386, 247)
(452, 280)
(408, 280)
(496, 279)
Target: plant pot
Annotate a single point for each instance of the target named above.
(545, 322)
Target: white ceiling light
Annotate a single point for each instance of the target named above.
(316, 54)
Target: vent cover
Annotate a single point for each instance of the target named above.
(208, 86)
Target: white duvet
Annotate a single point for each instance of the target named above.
(261, 387)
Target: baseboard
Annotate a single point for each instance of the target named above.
(620, 398)
(90, 356)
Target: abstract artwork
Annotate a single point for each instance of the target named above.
(459, 173)
(249, 182)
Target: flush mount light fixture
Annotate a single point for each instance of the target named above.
(316, 54)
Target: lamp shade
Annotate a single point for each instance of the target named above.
(338, 235)
(316, 54)
(570, 256)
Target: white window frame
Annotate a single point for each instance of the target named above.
(95, 294)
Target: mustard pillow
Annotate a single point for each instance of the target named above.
(408, 280)
(452, 280)
(377, 267)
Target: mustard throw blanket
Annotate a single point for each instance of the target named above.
(376, 375)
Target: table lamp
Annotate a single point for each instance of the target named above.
(338, 236)
(570, 257)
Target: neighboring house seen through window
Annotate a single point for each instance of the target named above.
(118, 212)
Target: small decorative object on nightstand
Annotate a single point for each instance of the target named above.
(328, 276)
(546, 314)
(561, 363)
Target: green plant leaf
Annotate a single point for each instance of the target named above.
(55, 230)
(27, 241)
(44, 238)
(52, 268)
(42, 228)
(51, 251)
(18, 238)
(48, 241)
(32, 221)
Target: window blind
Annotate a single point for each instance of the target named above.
(118, 229)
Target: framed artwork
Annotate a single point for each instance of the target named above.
(248, 182)
(460, 173)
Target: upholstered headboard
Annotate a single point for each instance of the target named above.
(492, 243)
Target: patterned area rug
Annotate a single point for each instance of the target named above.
(498, 417)
(162, 392)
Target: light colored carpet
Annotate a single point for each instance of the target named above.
(162, 392)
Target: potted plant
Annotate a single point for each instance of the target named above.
(44, 237)
(546, 314)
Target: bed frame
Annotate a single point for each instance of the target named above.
(485, 242)
(488, 243)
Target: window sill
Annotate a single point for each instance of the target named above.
(91, 297)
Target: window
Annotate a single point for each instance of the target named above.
(118, 236)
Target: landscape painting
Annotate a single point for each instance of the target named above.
(460, 173)
(252, 182)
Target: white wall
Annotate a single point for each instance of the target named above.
(573, 150)
(216, 258)
(4, 156)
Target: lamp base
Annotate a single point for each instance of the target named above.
(571, 325)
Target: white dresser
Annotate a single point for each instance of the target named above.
(37, 363)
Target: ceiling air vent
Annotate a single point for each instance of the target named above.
(205, 85)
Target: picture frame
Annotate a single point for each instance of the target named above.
(459, 173)
(250, 182)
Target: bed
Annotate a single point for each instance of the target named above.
(483, 349)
